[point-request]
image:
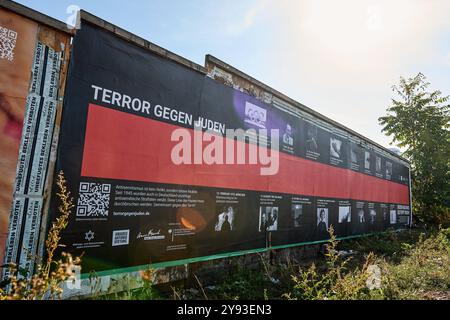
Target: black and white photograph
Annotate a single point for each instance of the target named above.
(268, 219)
(322, 221)
(361, 216)
(297, 215)
(372, 216)
(385, 214)
(345, 215)
(335, 148)
(388, 170)
(255, 115)
(354, 156)
(225, 219)
(393, 217)
(311, 138)
(287, 136)
(378, 164)
(367, 160)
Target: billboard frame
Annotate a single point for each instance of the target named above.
(135, 40)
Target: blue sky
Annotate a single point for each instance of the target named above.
(338, 57)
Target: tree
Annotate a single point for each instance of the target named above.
(419, 122)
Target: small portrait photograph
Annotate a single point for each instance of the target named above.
(354, 156)
(378, 164)
(268, 219)
(335, 148)
(297, 215)
(287, 136)
(389, 169)
(225, 219)
(393, 217)
(361, 216)
(367, 160)
(322, 221)
(345, 214)
(385, 215)
(311, 138)
(372, 216)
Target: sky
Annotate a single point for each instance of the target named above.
(339, 58)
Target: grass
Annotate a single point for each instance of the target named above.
(411, 264)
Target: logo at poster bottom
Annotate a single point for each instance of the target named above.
(120, 238)
(152, 234)
(88, 241)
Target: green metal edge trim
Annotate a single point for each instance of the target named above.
(285, 246)
(175, 263)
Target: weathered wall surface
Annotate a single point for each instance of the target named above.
(19, 36)
(18, 73)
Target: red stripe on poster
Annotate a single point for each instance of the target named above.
(123, 146)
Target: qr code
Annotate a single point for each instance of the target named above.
(93, 200)
(120, 238)
(8, 40)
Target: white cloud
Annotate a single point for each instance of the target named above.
(247, 20)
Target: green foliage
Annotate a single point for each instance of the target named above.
(391, 244)
(419, 121)
(412, 265)
(335, 282)
(417, 269)
(244, 286)
(423, 273)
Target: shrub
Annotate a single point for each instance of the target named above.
(425, 268)
(335, 282)
(46, 283)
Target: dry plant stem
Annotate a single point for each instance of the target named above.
(54, 235)
(46, 282)
(201, 286)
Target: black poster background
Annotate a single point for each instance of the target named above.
(100, 58)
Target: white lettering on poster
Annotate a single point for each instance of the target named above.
(120, 100)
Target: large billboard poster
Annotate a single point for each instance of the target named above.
(150, 187)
